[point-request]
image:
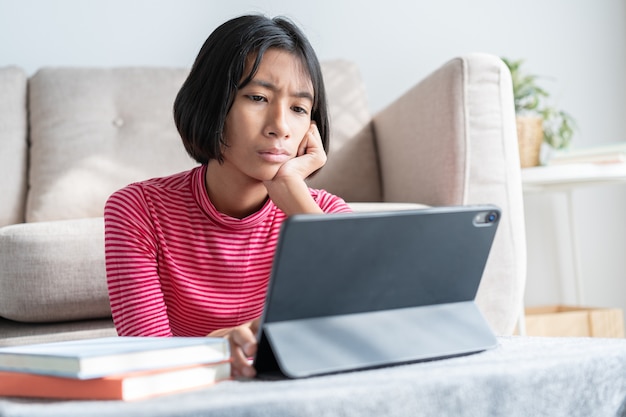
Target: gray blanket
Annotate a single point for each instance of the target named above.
(522, 377)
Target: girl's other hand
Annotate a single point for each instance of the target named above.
(243, 345)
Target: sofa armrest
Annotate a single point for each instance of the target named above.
(53, 271)
(451, 140)
(421, 141)
(13, 144)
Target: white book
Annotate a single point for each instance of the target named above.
(94, 358)
(605, 154)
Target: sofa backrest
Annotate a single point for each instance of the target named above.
(352, 170)
(95, 130)
(13, 145)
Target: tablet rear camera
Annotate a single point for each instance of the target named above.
(486, 218)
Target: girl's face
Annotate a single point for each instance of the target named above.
(269, 117)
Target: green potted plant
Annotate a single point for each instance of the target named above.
(537, 121)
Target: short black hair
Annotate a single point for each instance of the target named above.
(207, 94)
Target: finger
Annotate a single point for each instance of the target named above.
(254, 325)
(311, 141)
(315, 131)
(240, 363)
(302, 148)
(243, 346)
(244, 337)
(315, 138)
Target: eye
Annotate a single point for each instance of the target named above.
(256, 98)
(300, 110)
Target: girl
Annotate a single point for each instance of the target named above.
(190, 254)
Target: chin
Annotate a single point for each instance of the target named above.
(266, 175)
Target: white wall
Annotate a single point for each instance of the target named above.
(579, 45)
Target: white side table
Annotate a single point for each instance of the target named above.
(564, 179)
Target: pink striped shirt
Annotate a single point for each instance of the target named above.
(177, 266)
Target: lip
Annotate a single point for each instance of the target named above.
(275, 155)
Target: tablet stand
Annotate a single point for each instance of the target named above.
(323, 345)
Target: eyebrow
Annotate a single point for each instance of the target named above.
(272, 87)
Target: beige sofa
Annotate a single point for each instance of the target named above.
(70, 137)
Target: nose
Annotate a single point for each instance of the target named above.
(276, 123)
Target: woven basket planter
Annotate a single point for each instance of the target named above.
(530, 138)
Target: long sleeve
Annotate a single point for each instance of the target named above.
(137, 301)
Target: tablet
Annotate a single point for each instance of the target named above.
(363, 290)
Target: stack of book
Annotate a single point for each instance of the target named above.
(114, 368)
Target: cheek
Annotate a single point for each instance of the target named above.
(241, 122)
(232, 128)
(300, 127)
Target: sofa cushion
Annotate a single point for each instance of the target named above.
(13, 145)
(53, 271)
(94, 131)
(16, 333)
